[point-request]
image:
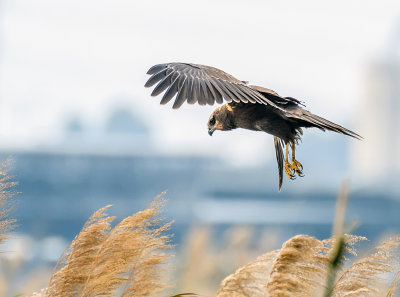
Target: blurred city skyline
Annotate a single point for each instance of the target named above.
(71, 60)
(376, 160)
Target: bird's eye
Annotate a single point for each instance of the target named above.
(212, 121)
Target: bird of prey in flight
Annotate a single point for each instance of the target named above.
(248, 107)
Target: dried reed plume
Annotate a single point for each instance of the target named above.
(304, 257)
(122, 261)
(300, 267)
(250, 280)
(302, 264)
(366, 277)
(5, 193)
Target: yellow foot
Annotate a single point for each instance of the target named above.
(297, 167)
(289, 170)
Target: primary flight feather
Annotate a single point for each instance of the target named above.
(249, 107)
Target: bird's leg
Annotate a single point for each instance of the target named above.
(288, 167)
(296, 165)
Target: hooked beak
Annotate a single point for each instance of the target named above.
(211, 131)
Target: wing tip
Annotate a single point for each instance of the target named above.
(357, 136)
(153, 94)
(163, 102)
(155, 68)
(178, 102)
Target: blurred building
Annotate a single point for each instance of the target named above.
(377, 157)
(123, 132)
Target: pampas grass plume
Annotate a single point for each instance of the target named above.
(121, 261)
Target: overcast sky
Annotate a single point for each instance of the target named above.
(70, 57)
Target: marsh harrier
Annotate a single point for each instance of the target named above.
(248, 107)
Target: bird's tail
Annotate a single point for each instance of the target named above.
(279, 158)
(324, 124)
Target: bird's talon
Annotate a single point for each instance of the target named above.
(289, 170)
(297, 167)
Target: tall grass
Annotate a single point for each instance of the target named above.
(250, 279)
(127, 261)
(6, 192)
(120, 261)
(305, 266)
(301, 265)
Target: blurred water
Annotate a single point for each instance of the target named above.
(58, 192)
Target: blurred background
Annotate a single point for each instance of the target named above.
(83, 132)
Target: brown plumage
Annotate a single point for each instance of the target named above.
(248, 107)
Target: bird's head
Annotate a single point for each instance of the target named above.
(220, 119)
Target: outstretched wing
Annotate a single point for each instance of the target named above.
(203, 84)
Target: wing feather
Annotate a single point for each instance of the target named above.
(203, 99)
(211, 93)
(156, 78)
(216, 94)
(162, 85)
(228, 89)
(219, 95)
(246, 96)
(195, 92)
(227, 95)
(156, 68)
(256, 97)
(234, 91)
(219, 98)
(210, 100)
(192, 92)
(182, 93)
(170, 93)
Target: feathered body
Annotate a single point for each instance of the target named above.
(248, 107)
(256, 117)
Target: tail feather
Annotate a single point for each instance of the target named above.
(279, 158)
(324, 124)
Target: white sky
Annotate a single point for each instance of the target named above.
(77, 57)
